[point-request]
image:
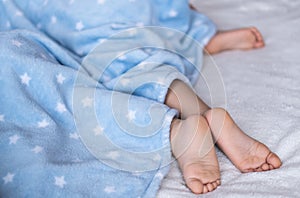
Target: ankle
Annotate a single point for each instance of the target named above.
(217, 114)
(214, 46)
(211, 48)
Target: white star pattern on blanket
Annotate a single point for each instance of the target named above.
(157, 157)
(45, 2)
(98, 130)
(100, 2)
(159, 175)
(16, 43)
(124, 81)
(42, 124)
(1, 118)
(8, 178)
(113, 155)
(37, 149)
(60, 78)
(131, 115)
(60, 181)
(110, 189)
(19, 13)
(74, 136)
(173, 13)
(13, 139)
(79, 26)
(87, 102)
(25, 79)
(60, 107)
(53, 19)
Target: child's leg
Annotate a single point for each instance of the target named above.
(193, 147)
(243, 39)
(184, 99)
(245, 152)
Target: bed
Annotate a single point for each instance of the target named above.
(262, 94)
(42, 154)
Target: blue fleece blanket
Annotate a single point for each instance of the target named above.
(82, 86)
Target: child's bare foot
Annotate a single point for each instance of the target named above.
(246, 153)
(240, 39)
(192, 145)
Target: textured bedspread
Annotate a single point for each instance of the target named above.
(262, 93)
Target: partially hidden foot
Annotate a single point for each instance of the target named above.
(246, 153)
(192, 145)
(238, 39)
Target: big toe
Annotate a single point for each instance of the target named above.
(274, 160)
(258, 44)
(195, 186)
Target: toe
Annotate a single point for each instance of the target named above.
(218, 182)
(274, 160)
(259, 44)
(210, 187)
(265, 167)
(215, 185)
(205, 190)
(259, 169)
(195, 186)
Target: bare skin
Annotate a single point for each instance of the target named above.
(246, 153)
(192, 145)
(238, 39)
(201, 173)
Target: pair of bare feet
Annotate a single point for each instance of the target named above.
(193, 146)
(193, 136)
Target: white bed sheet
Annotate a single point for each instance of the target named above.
(262, 93)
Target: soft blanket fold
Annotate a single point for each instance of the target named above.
(68, 128)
